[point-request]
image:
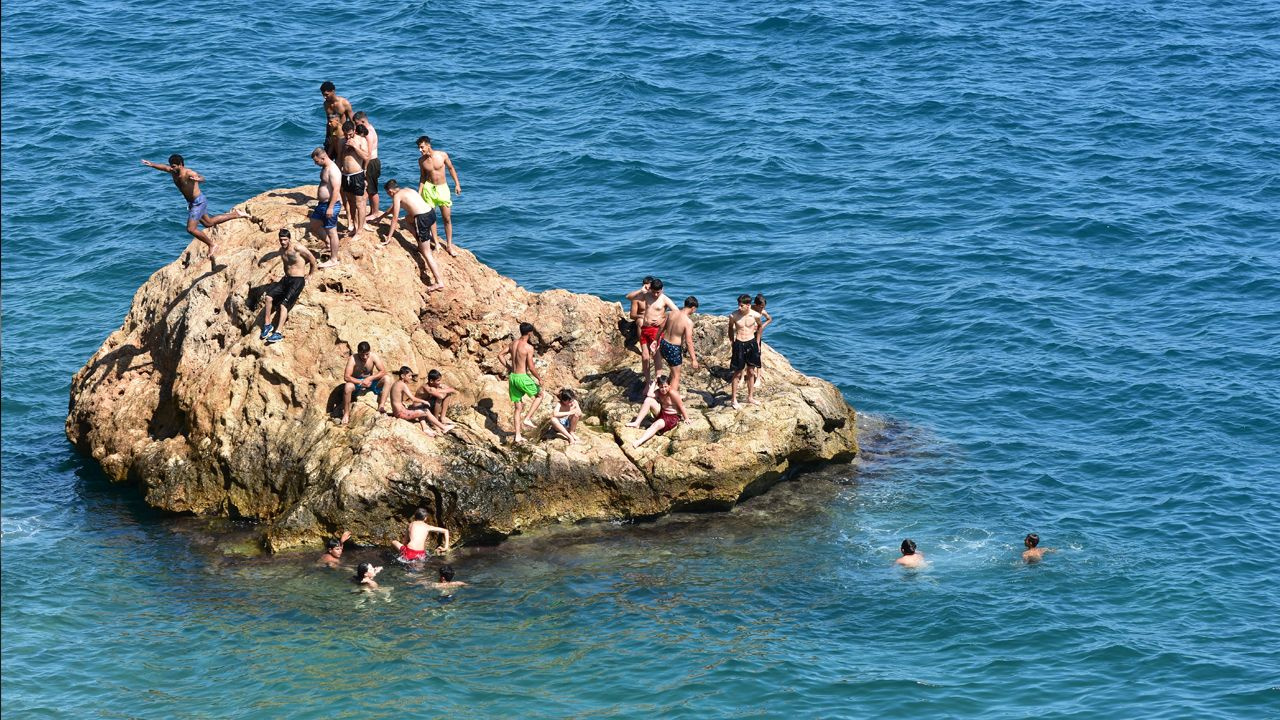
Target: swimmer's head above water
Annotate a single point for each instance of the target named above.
(908, 547)
(1031, 540)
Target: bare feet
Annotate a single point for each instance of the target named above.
(428, 431)
(635, 443)
(449, 249)
(737, 405)
(435, 288)
(344, 420)
(529, 423)
(753, 401)
(517, 440)
(240, 213)
(213, 251)
(634, 424)
(328, 263)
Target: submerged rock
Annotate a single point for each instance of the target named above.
(187, 401)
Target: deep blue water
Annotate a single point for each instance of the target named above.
(1035, 243)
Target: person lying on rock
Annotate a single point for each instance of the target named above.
(523, 380)
(298, 264)
(420, 218)
(564, 419)
(664, 400)
(438, 394)
(910, 558)
(332, 556)
(365, 372)
(416, 536)
(407, 406)
(365, 574)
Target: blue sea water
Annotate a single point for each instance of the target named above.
(1036, 244)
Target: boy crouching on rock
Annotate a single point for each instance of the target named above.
(407, 406)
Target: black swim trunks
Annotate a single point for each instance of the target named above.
(353, 183)
(424, 221)
(745, 353)
(673, 354)
(372, 173)
(286, 291)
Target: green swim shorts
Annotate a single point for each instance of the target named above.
(437, 195)
(520, 385)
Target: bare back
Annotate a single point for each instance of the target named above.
(418, 535)
(678, 325)
(411, 201)
(521, 356)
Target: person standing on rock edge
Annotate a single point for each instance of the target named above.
(523, 381)
(188, 183)
(323, 220)
(677, 337)
(666, 401)
(415, 546)
(637, 307)
(435, 187)
(420, 216)
(743, 326)
(355, 156)
(758, 306)
(298, 263)
(365, 372)
(652, 318)
(407, 406)
(372, 170)
(334, 104)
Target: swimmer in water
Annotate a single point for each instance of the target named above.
(446, 579)
(910, 558)
(332, 556)
(1034, 553)
(365, 575)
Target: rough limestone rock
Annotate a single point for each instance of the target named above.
(187, 401)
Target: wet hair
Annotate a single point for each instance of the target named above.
(744, 299)
(327, 86)
(446, 573)
(348, 126)
(363, 347)
(176, 159)
(405, 370)
(332, 543)
(423, 139)
(433, 376)
(647, 279)
(319, 152)
(908, 547)
(360, 115)
(391, 186)
(363, 570)
(526, 328)
(691, 302)
(759, 300)
(655, 285)
(1032, 539)
(566, 395)
(420, 514)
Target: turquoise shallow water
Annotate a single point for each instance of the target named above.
(1035, 243)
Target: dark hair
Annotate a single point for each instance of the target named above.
(405, 370)
(908, 545)
(691, 302)
(566, 395)
(318, 152)
(526, 328)
(360, 115)
(348, 125)
(363, 570)
(284, 232)
(391, 186)
(759, 300)
(420, 514)
(363, 347)
(176, 159)
(655, 284)
(332, 543)
(663, 380)
(361, 130)
(446, 573)
(423, 139)
(327, 86)
(1033, 539)
(433, 375)
(744, 299)
(647, 279)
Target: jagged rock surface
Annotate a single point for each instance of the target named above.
(187, 401)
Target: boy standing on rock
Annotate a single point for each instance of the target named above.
(298, 263)
(434, 186)
(523, 380)
(323, 221)
(677, 335)
(744, 325)
(355, 155)
(334, 104)
(416, 536)
(188, 183)
(652, 318)
(365, 371)
(421, 219)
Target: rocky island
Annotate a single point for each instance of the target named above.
(186, 400)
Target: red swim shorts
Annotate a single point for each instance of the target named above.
(411, 555)
(649, 334)
(669, 422)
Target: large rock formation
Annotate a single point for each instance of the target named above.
(187, 401)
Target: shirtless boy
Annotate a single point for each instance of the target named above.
(373, 169)
(437, 394)
(446, 580)
(652, 317)
(1034, 553)
(744, 325)
(323, 220)
(434, 186)
(910, 558)
(416, 536)
(758, 305)
(523, 380)
(637, 305)
(298, 263)
(407, 406)
(188, 183)
(334, 104)
(332, 556)
(420, 216)
(365, 372)
(677, 336)
(565, 417)
(355, 155)
(664, 400)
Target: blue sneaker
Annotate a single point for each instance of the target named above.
(266, 331)
(274, 337)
